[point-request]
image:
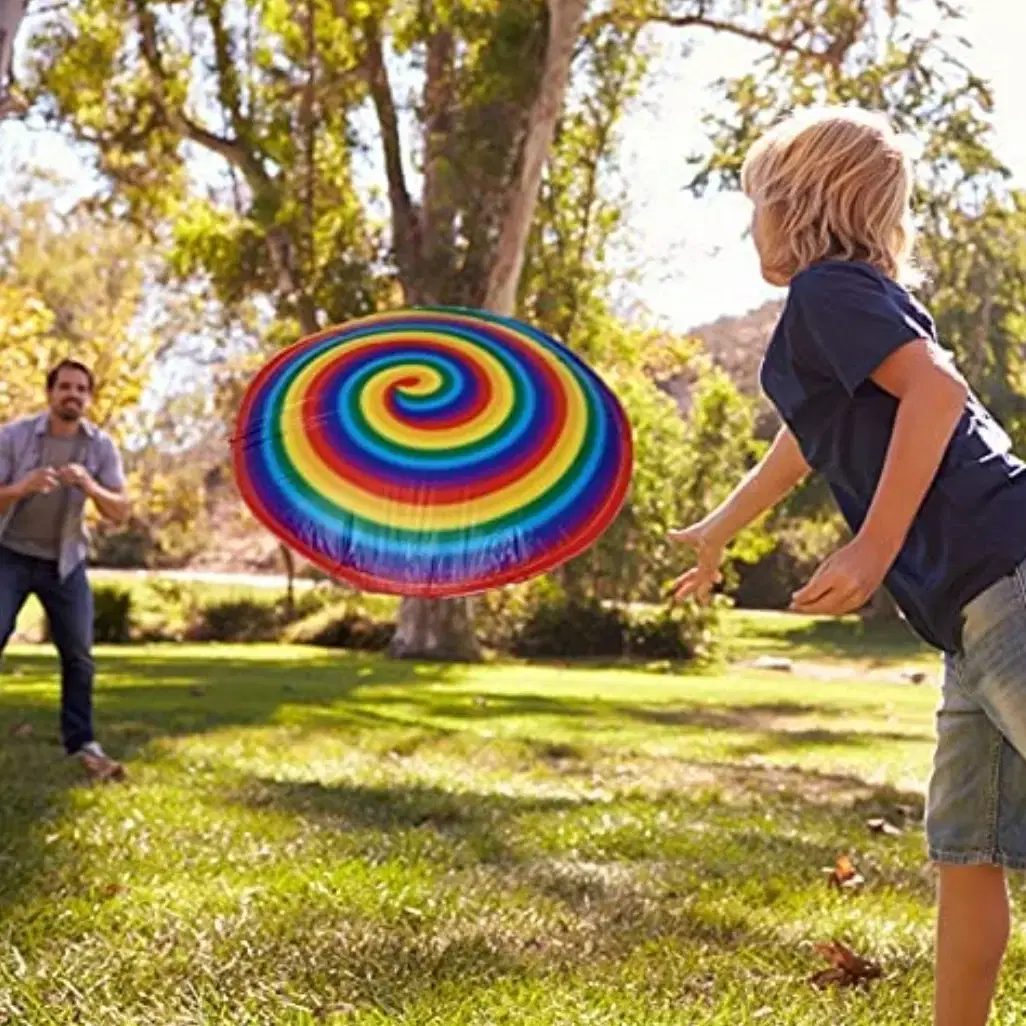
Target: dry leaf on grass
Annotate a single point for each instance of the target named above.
(845, 875)
(846, 968)
(20, 730)
(343, 1008)
(882, 826)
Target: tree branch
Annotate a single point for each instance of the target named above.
(278, 241)
(787, 45)
(406, 226)
(230, 149)
(438, 209)
(228, 86)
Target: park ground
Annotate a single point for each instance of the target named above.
(315, 837)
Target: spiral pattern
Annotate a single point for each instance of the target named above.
(433, 451)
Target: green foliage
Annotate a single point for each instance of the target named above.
(287, 234)
(974, 263)
(237, 620)
(683, 466)
(907, 60)
(567, 629)
(342, 624)
(112, 615)
(541, 619)
(74, 284)
(799, 545)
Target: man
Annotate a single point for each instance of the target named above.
(50, 464)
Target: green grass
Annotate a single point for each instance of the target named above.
(313, 837)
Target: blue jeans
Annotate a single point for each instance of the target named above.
(69, 609)
(976, 807)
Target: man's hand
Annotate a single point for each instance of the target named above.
(708, 545)
(41, 480)
(76, 475)
(845, 581)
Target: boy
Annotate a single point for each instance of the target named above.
(925, 479)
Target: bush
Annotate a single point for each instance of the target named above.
(237, 620)
(165, 609)
(341, 625)
(112, 615)
(661, 633)
(799, 547)
(568, 630)
(540, 620)
(313, 600)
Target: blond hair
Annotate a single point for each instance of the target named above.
(835, 183)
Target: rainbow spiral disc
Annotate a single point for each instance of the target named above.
(432, 451)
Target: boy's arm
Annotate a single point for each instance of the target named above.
(769, 481)
(931, 397)
(762, 487)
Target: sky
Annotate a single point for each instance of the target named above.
(691, 254)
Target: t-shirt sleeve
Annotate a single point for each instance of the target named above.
(111, 472)
(851, 321)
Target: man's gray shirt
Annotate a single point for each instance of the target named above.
(25, 445)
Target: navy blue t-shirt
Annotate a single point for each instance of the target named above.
(842, 319)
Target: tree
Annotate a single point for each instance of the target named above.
(683, 466)
(25, 325)
(493, 89)
(76, 287)
(281, 104)
(974, 265)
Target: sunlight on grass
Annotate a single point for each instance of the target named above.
(321, 837)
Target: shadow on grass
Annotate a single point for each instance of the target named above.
(534, 908)
(459, 815)
(142, 696)
(843, 638)
(145, 695)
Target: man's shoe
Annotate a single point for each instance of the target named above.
(98, 765)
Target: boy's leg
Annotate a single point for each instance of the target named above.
(976, 815)
(69, 609)
(972, 931)
(961, 826)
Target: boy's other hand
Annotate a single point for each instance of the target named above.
(844, 581)
(701, 579)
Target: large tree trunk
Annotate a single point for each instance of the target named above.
(440, 630)
(11, 14)
(565, 18)
(430, 629)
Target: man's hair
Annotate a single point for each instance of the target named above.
(51, 378)
(834, 182)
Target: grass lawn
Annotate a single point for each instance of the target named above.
(313, 837)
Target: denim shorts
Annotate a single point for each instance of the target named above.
(976, 805)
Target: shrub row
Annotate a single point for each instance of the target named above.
(537, 620)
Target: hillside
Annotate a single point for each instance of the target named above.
(736, 344)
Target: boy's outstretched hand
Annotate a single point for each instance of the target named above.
(708, 546)
(844, 581)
